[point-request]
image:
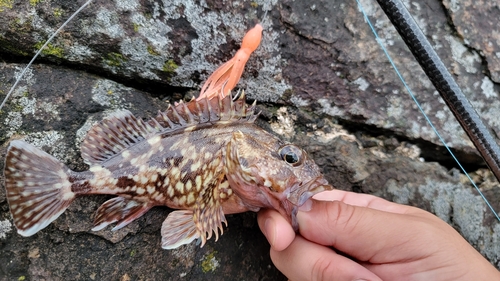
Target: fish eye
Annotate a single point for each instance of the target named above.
(292, 155)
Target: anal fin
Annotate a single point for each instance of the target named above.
(120, 210)
(178, 229)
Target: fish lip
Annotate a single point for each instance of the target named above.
(300, 193)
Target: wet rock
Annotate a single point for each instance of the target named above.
(342, 72)
(320, 80)
(480, 31)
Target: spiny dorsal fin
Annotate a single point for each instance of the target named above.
(196, 112)
(115, 134)
(122, 129)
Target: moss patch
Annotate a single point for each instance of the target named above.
(114, 59)
(5, 4)
(50, 50)
(170, 66)
(34, 2)
(17, 108)
(20, 27)
(209, 263)
(57, 12)
(152, 51)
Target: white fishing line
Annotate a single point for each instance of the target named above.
(40, 50)
(379, 41)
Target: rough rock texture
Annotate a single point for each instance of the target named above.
(321, 82)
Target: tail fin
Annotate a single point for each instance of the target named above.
(38, 187)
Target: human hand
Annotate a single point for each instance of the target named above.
(384, 240)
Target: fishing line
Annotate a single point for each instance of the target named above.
(40, 51)
(379, 41)
(444, 83)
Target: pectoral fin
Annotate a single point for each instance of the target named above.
(208, 213)
(182, 227)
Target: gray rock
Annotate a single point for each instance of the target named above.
(320, 80)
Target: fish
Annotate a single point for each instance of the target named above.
(205, 158)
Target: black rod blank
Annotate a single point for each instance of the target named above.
(443, 82)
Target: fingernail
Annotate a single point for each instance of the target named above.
(307, 206)
(270, 228)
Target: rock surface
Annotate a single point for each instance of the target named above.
(320, 80)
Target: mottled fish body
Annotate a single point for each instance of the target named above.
(205, 157)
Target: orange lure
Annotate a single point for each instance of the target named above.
(225, 78)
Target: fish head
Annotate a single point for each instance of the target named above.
(266, 172)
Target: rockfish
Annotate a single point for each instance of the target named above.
(205, 157)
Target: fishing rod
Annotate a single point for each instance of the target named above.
(443, 82)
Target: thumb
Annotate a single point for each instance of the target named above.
(363, 233)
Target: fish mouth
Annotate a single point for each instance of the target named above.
(300, 193)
